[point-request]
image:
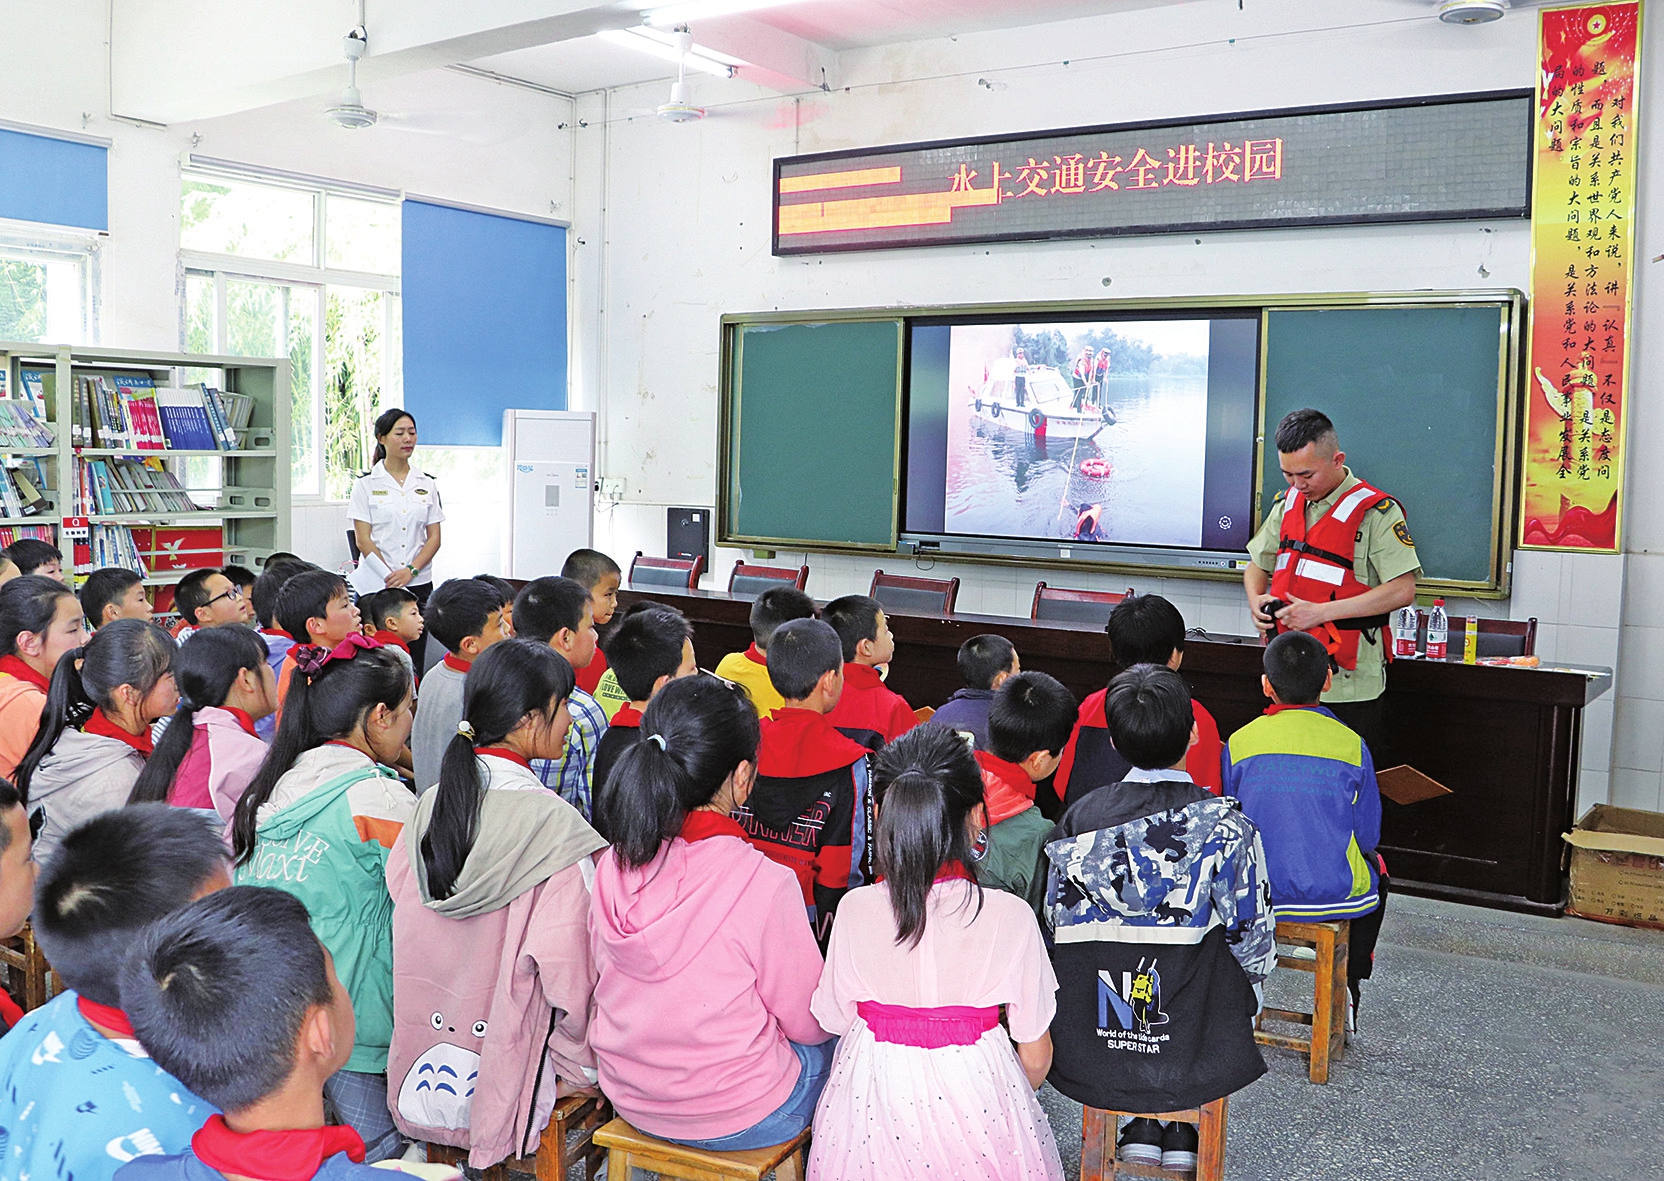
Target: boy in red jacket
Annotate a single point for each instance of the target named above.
(869, 711)
(811, 808)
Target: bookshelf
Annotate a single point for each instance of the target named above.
(241, 492)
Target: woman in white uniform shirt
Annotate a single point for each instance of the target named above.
(395, 513)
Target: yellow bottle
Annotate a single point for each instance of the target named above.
(1470, 642)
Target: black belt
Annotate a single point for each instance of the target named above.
(1300, 547)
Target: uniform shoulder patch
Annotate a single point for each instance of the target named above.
(1401, 530)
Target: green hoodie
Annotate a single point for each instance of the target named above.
(329, 847)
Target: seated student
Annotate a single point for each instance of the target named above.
(701, 1028)
(1162, 930)
(94, 734)
(1030, 721)
(114, 592)
(466, 616)
(318, 820)
(393, 619)
(17, 882)
(812, 807)
(31, 555)
(243, 579)
(557, 612)
(505, 593)
(207, 598)
(236, 998)
(869, 711)
(985, 663)
(919, 967)
(1308, 782)
(278, 642)
(651, 646)
(490, 883)
(315, 608)
(209, 751)
(78, 1094)
(601, 577)
(749, 669)
(40, 620)
(1143, 629)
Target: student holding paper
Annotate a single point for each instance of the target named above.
(395, 514)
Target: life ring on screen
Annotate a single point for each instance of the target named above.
(1036, 420)
(978, 405)
(1095, 468)
(994, 410)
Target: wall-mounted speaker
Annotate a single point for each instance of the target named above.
(688, 534)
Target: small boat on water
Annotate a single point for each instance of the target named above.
(1047, 409)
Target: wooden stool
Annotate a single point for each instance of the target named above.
(1097, 1143)
(1327, 1040)
(629, 1149)
(22, 955)
(575, 1113)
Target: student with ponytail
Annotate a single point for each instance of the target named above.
(94, 733)
(917, 971)
(40, 620)
(209, 751)
(490, 885)
(318, 820)
(704, 957)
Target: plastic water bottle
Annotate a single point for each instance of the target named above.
(1438, 631)
(1404, 627)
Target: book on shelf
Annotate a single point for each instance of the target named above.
(185, 421)
(109, 545)
(14, 533)
(20, 428)
(105, 486)
(215, 401)
(136, 394)
(20, 494)
(38, 387)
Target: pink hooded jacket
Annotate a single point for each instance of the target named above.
(706, 965)
(492, 986)
(219, 765)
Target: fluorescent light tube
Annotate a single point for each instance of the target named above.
(631, 39)
(696, 10)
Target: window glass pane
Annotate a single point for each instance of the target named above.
(354, 324)
(361, 235)
(22, 300)
(303, 389)
(66, 313)
(254, 319)
(255, 221)
(199, 313)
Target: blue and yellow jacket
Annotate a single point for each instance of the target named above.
(1309, 784)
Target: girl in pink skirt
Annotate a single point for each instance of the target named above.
(926, 1082)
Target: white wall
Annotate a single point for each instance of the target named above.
(682, 215)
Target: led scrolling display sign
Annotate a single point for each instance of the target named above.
(1461, 156)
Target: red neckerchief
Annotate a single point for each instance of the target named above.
(244, 718)
(292, 1155)
(100, 724)
(700, 825)
(276, 631)
(798, 742)
(1277, 709)
(10, 1011)
(503, 752)
(954, 869)
(627, 716)
(1091, 717)
(455, 665)
(756, 656)
(1006, 788)
(386, 637)
(20, 669)
(861, 676)
(107, 1016)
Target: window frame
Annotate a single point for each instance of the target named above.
(30, 242)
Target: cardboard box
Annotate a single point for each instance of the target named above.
(1617, 866)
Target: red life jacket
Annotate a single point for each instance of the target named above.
(1316, 565)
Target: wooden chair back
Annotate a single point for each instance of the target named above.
(665, 573)
(748, 581)
(907, 595)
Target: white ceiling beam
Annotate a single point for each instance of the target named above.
(774, 59)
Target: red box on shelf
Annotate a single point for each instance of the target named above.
(164, 549)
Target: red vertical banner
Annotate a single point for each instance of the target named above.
(1582, 263)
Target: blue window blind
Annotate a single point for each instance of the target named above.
(56, 181)
(484, 321)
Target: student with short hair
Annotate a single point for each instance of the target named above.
(1308, 782)
(600, 576)
(559, 612)
(315, 608)
(868, 711)
(318, 820)
(209, 752)
(393, 618)
(263, 600)
(466, 616)
(490, 885)
(919, 969)
(207, 598)
(812, 807)
(749, 669)
(31, 555)
(704, 962)
(243, 579)
(235, 997)
(81, 1094)
(1162, 930)
(1029, 722)
(505, 595)
(94, 733)
(651, 646)
(40, 620)
(114, 592)
(1143, 629)
(985, 663)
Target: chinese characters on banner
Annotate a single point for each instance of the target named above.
(1582, 227)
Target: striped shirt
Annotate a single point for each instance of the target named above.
(573, 774)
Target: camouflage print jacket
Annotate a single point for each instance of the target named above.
(1159, 908)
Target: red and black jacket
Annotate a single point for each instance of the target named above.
(869, 711)
(1091, 760)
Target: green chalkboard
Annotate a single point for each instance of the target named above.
(812, 430)
(1417, 395)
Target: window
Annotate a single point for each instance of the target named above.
(290, 269)
(46, 288)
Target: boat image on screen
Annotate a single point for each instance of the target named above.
(1039, 400)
